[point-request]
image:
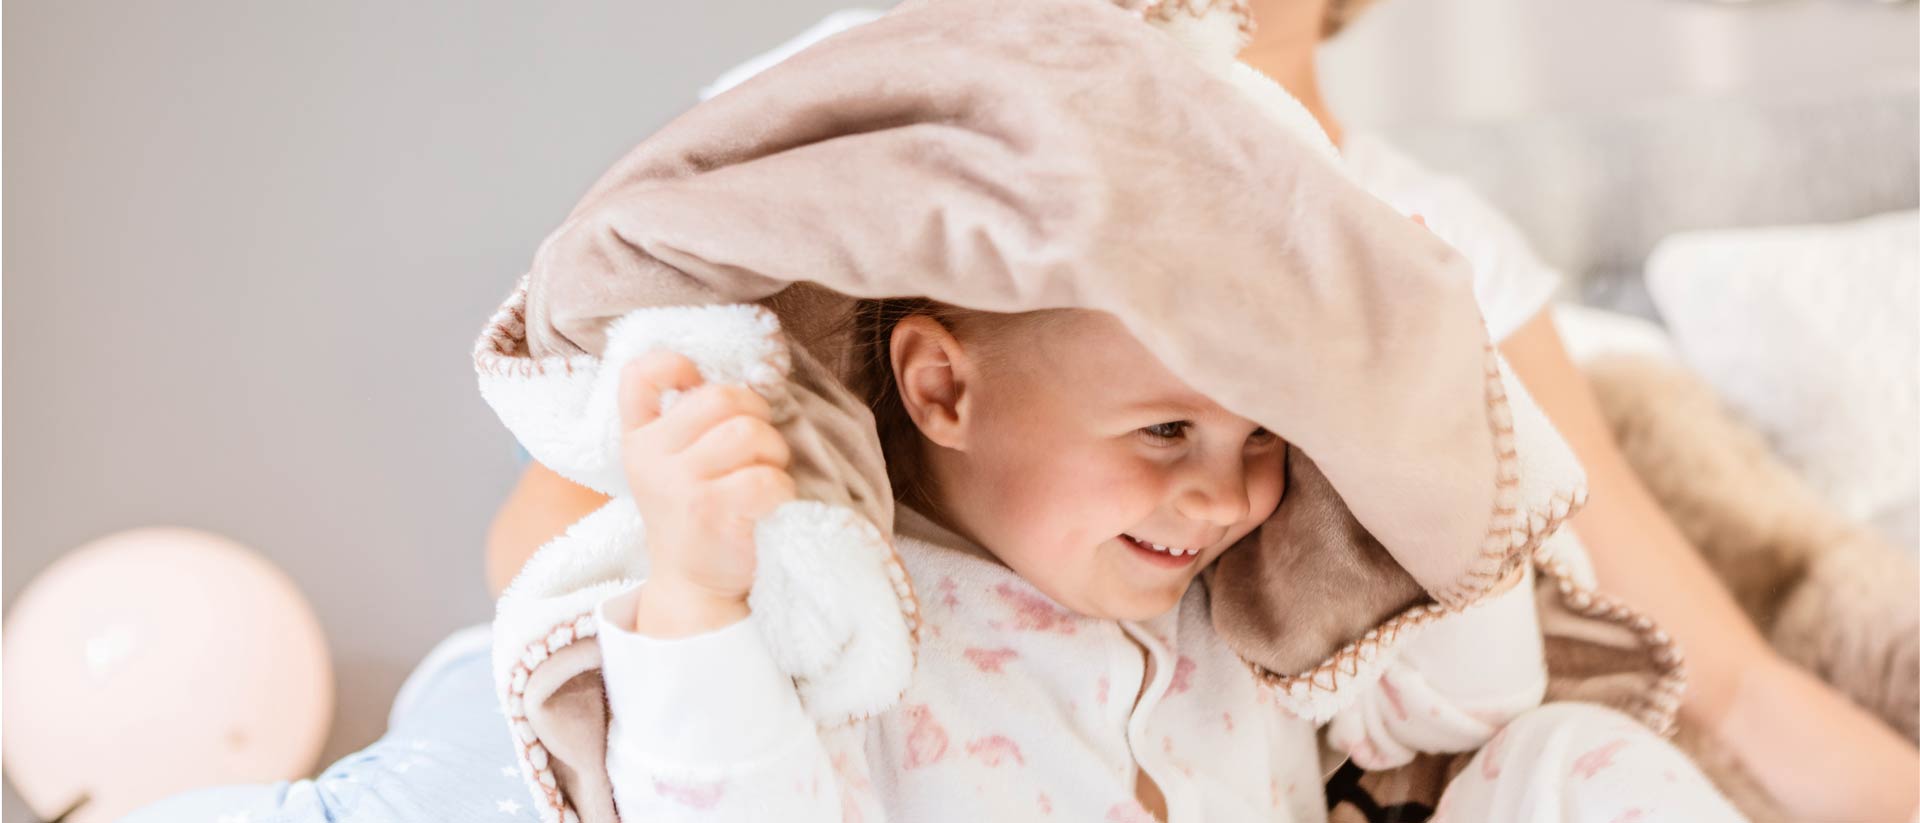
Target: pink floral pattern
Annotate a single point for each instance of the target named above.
(1596, 761)
(975, 739)
(994, 750)
(989, 660)
(945, 591)
(1033, 612)
(926, 738)
(1182, 675)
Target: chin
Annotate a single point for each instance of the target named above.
(1145, 606)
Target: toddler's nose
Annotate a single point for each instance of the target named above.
(1215, 491)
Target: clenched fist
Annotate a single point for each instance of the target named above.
(701, 474)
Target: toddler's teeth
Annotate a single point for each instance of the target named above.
(1168, 550)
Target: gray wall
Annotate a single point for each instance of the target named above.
(249, 248)
(1421, 62)
(251, 243)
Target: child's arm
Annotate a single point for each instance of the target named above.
(703, 724)
(1454, 685)
(705, 727)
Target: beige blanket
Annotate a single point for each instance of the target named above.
(1012, 155)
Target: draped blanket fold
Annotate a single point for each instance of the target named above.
(1015, 155)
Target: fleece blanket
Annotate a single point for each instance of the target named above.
(1017, 155)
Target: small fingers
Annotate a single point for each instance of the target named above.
(753, 491)
(735, 443)
(704, 408)
(644, 378)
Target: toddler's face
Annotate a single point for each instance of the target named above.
(1087, 467)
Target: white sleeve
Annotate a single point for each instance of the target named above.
(1510, 281)
(1452, 686)
(708, 728)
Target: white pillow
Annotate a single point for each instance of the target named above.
(1590, 333)
(1812, 333)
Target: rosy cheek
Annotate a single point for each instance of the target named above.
(1109, 492)
(1267, 484)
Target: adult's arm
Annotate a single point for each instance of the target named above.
(541, 506)
(1821, 756)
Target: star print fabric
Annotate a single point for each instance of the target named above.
(446, 757)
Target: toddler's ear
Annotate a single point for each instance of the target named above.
(931, 370)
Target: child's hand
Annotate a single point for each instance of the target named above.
(701, 474)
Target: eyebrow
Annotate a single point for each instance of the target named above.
(1172, 405)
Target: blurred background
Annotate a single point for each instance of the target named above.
(248, 246)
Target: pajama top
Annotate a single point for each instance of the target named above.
(1021, 710)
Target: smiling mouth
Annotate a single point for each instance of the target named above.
(1170, 551)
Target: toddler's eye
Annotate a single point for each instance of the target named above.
(1165, 431)
(1261, 437)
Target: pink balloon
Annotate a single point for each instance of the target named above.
(155, 661)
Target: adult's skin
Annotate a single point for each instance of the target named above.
(1821, 756)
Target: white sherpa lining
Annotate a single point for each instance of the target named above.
(840, 615)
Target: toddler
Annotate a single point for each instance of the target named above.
(1060, 491)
